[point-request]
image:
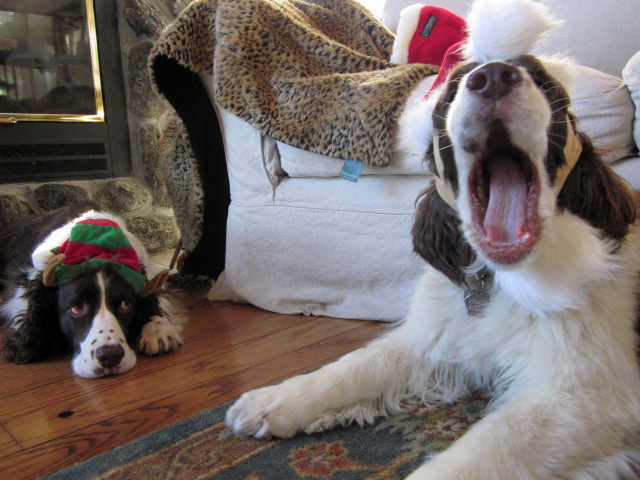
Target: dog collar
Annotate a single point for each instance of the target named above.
(572, 151)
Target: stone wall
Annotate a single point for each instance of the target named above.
(141, 23)
(127, 197)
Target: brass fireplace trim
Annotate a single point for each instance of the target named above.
(95, 68)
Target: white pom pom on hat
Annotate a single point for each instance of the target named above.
(494, 30)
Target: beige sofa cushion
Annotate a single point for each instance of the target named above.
(605, 112)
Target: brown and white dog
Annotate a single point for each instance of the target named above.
(532, 290)
(99, 311)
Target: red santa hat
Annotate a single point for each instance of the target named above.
(432, 35)
(494, 30)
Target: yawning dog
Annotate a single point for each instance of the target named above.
(76, 278)
(531, 293)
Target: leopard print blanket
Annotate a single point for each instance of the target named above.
(311, 73)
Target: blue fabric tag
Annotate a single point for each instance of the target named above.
(351, 170)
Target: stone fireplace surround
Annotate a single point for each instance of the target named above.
(141, 198)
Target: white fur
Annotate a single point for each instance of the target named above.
(567, 384)
(543, 287)
(556, 344)
(506, 29)
(415, 127)
(498, 30)
(407, 25)
(526, 115)
(160, 335)
(105, 330)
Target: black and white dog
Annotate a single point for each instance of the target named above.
(532, 290)
(96, 307)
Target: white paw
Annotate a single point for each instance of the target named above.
(159, 336)
(269, 411)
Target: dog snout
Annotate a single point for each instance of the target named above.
(109, 356)
(494, 80)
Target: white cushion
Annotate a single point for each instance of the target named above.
(301, 163)
(605, 112)
(321, 246)
(631, 76)
(314, 254)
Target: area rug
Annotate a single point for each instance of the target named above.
(201, 447)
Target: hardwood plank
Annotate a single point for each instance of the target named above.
(23, 378)
(7, 443)
(228, 349)
(31, 423)
(228, 326)
(96, 438)
(201, 340)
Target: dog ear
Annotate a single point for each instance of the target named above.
(437, 237)
(39, 335)
(595, 193)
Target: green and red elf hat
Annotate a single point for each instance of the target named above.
(96, 242)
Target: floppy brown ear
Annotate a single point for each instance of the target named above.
(595, 193)
(437, 237)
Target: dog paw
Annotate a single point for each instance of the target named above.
(159, 336)
(18, 351)
(270, 411)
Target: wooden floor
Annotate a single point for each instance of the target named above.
(50, 419)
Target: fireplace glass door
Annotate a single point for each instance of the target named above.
(49, 62)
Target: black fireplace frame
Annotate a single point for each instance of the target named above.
(43, 151)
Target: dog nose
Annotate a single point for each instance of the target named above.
(494, 80)
(109, 356)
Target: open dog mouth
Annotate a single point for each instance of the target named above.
(504, 190)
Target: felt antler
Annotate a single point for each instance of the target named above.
(157, 282)
(49, 273)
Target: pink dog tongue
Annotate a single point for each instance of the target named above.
(505, 217)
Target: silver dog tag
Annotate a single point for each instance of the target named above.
(478, 296)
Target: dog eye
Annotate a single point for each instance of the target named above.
(125, 306)
(78, 309)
